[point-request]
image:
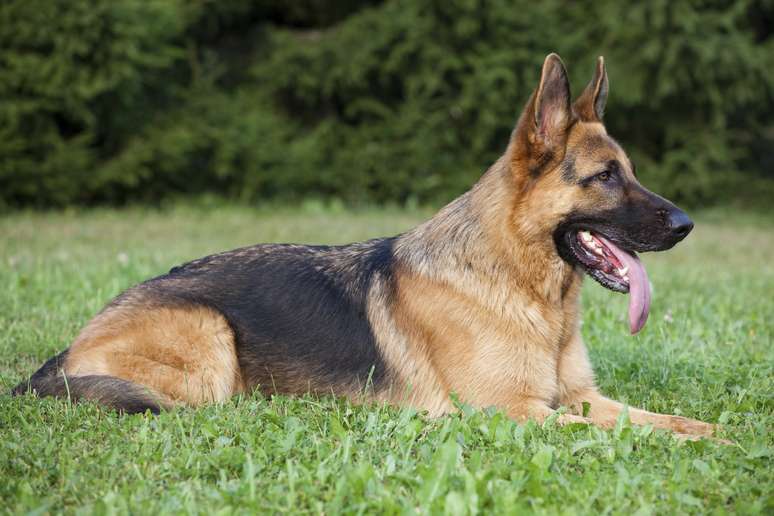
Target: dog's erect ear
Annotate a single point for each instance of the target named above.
(590, 106)
(552, 102)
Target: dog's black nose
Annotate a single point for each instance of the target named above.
(680, 224)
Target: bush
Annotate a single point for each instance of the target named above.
(77, 78)
(111, 101)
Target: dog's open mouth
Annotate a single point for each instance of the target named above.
(616, 269)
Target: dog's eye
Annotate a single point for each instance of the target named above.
(604, 176)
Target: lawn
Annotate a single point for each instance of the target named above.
(706, 353)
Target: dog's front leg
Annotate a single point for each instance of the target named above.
(577, 386)
(604, 412)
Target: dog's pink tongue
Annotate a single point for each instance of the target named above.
(639, 286)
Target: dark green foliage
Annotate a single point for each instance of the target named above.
(404, 100)
(76, 78)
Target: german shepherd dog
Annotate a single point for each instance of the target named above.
(481, 300)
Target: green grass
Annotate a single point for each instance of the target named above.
(705, 353)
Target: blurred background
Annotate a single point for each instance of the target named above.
(363, 101)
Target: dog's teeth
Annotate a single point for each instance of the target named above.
(622, 271)
(626, 279)
(586, 236)
(598, 250)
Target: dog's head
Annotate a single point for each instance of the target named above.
(584, 187)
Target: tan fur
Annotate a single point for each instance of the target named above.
(186, 355)
(420, 384)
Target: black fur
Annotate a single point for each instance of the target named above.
(48, 370)
(298, 313)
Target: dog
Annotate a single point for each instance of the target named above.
(481, 301)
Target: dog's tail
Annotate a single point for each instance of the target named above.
(110, 391)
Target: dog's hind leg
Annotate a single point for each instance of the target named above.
(184, 353)
(122, 395)
(137, 356)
